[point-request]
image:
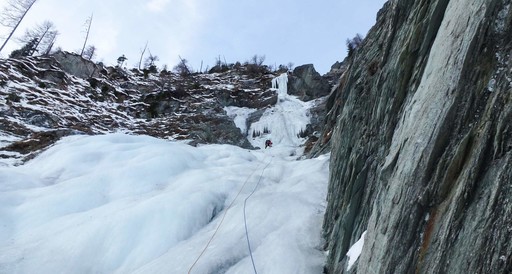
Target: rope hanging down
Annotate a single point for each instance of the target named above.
(221, 221)
(245, 216)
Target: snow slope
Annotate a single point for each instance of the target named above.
(121, 204)
(118, 203)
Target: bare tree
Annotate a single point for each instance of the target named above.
(45, 34)
(255, 65)
(12, 15)
(218, 62)
(258, 60)
(182, 68)
(51, 41)
(88, 23)
(149, 63)
(89, 52)
(142, 54)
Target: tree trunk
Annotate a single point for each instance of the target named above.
(86, 35)
(142, 54)
(16, 26)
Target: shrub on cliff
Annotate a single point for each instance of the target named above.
(354, 43)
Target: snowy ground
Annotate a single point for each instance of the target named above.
(121, 204)
(135, 204)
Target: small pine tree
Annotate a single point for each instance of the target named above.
(149, 63)
(27, 50)
(353, 44)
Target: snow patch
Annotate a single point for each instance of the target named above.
(354, 251)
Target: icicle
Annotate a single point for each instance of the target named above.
(281, 84)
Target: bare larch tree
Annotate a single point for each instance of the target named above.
(12, 15)
(142, 54)
(88, 23)
(45, 33)
(89, 52)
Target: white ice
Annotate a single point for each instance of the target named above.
(285, 120)
(239, 116)
(122, 204)
(281, 123)
(118, 203)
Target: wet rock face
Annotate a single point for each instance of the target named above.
(421, 148)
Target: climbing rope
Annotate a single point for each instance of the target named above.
(222, 220)
(245, 216)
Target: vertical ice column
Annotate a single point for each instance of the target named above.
(281, 84)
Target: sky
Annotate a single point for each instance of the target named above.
(285, 31)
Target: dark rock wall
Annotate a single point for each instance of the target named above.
(306, 83)
(421, 146)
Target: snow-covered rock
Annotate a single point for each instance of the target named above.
(67, 92)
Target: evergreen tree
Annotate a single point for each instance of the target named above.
(27, 50)
(46, 33)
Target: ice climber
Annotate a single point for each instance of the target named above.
(268, 143)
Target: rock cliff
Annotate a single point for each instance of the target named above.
(307, 84)
(46, 97)
(421, 136)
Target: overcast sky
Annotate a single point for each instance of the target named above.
(296, 31)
